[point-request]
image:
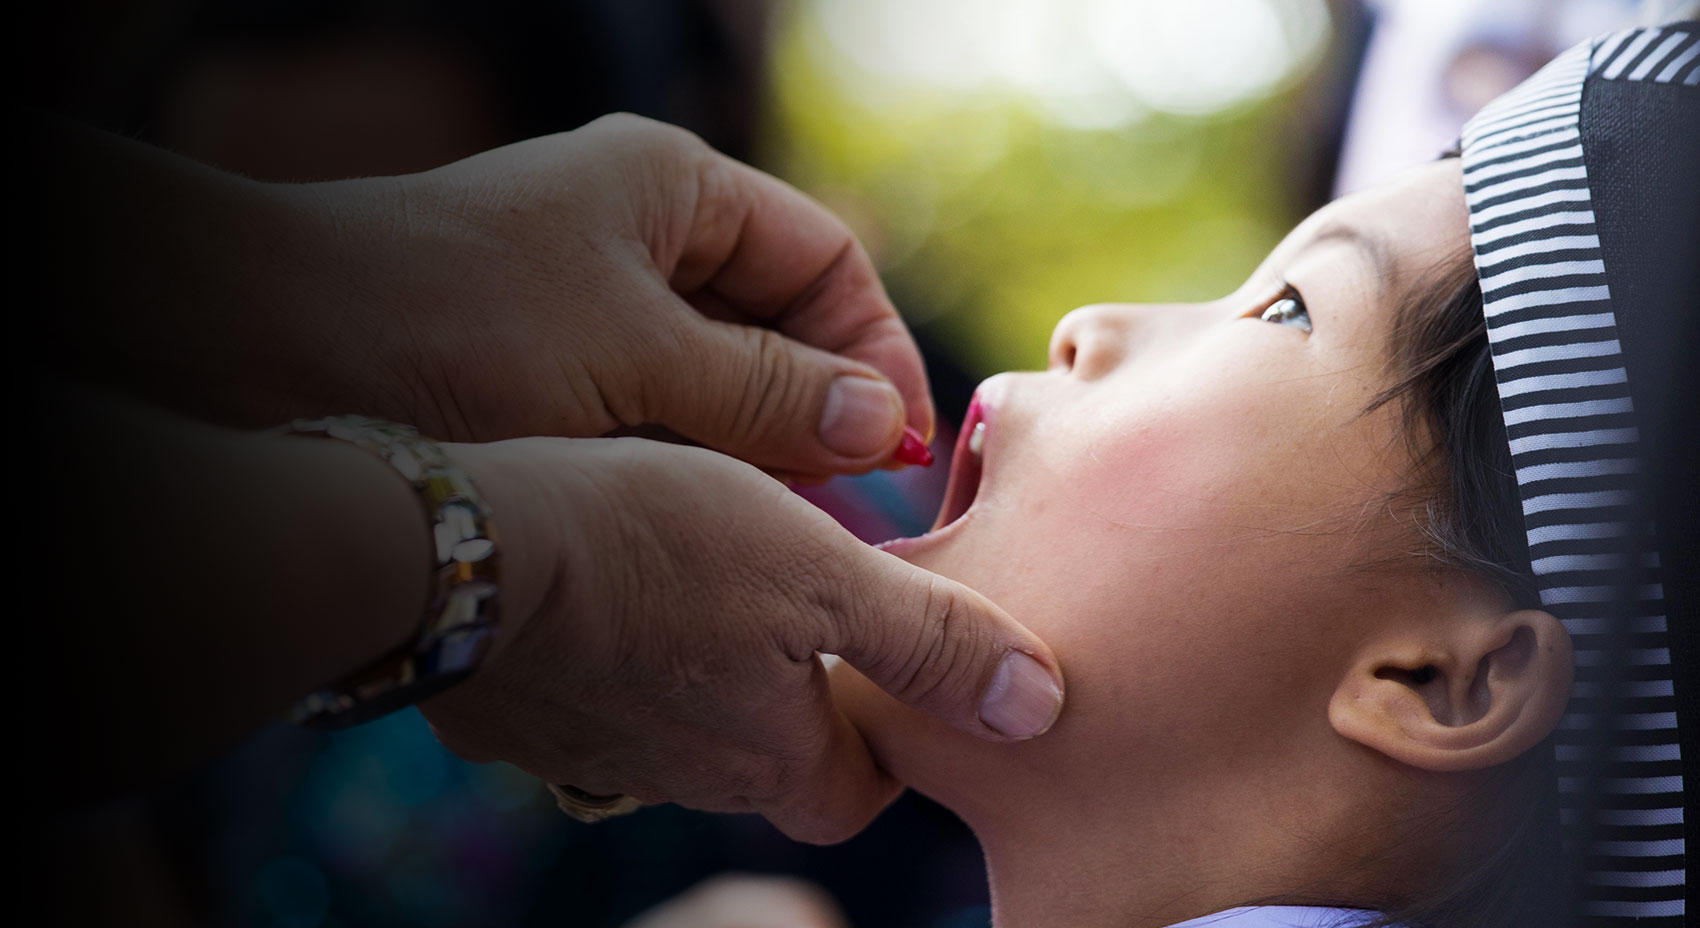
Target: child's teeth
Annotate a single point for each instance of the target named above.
(977, 440)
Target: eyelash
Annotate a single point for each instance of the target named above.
(1289, 293)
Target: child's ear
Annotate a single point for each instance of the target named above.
(1464, 692)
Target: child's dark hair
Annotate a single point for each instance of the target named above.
(1470, 519)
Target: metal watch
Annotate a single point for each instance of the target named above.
(460, 616)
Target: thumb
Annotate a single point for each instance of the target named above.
(946, 650)
(777, 403)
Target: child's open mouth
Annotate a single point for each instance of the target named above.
(965, 466)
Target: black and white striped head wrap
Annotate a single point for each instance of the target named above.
(1584, 206)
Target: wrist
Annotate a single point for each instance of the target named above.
(534, 525)
(328, 296)
(391, 274)
(373, 562)
(335, 516)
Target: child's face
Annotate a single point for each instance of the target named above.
(1192, 508)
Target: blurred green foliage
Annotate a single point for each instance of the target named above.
(990, 218)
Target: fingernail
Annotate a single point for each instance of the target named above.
(860, 416)
(913, 449)
(1023, 700)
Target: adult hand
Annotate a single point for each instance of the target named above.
(620, 275)
(664, 607)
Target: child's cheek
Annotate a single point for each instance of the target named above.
(1167, 465)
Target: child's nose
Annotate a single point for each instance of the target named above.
(1089, 342)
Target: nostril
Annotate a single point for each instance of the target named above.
(1087, 342)
(1059, 355)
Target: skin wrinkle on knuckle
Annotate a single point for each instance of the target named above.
(829, 286)
(729, 209)
(871, 336)
(666, 373)
(623, 394)
(929, 667)
(705, 220)
(584, 409)
(605, 401)
(768, 379)
(659, 155)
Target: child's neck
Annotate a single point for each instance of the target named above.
(1087, 883)
(1085, 865)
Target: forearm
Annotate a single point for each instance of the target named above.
(207, 578)
(231, 299)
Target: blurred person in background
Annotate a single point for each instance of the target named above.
(1430, 64)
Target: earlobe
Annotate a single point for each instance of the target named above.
(1464, 693)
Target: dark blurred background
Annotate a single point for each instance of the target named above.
(1003, 160)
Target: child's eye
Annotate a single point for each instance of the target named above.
(1289, 310)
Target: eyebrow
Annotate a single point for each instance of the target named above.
(1370, 246)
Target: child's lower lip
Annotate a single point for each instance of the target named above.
(908, 547)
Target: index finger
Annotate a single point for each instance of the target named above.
(765, 249)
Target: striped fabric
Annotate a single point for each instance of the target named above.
(1663, 56)
(1564, 390)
